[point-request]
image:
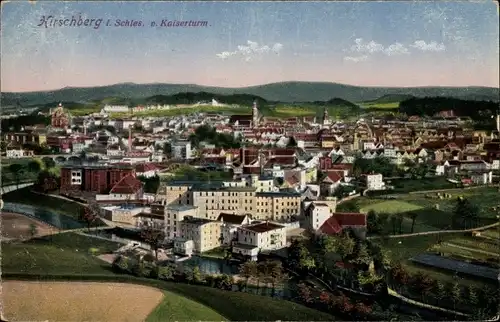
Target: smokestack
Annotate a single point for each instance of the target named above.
(84, 128)
(498, 122)
(130, 139)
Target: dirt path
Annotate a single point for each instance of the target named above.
(78, 301)
(20, 227)
(472, 249)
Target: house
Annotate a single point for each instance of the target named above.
(482, 178)
(230, 224)
(183, 246)
(331, 181)
(374, 181)
(174, 215)
(342, 220)
(129, 188)
(316, 215)
(150, 220)
(147, 170)
(204, 233)
(255, 238)
(181, 150)
(17, 153)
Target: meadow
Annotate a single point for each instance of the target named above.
(380, 105)
(72, 257)
(77, 301)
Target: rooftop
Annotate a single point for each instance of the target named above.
(263, 227)
(196, 221)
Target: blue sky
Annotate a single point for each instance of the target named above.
(251, 43)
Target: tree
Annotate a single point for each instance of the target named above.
(400, 219)
(472, 296)
(299, 257)
(362, 255)
(33, 230)
(248, 270)
(166, 272)
(413, 216)
(16, 169)
(373, 223)
(167, 149)
(35, 166)
(153, 237)
(394, 223)
(456, 294)
(347, 244)
(465, 214)
(276, 273)
(89, 216)
(48, 163)
(305, 293)
(439, 291)
(197, 275)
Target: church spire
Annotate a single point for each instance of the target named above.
(325, 116)
(255, 114)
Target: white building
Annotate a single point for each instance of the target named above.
(18, 153)
(229, 227)
(174, 214)
(115, 109)
(375, 182)
(259, 237)
(181, 150)
(183, 246)
(482, 177)
(316, 215)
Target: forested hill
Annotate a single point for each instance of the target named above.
(192, 98)
(428, 106)
(279, 92)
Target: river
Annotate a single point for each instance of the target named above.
(55, 219)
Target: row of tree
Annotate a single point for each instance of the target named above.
(429, 106)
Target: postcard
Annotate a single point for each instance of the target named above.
(249, 161)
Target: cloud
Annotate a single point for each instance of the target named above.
(432, 46)
(370, 47)
(250, 50)
(396, 49)
(356, 59)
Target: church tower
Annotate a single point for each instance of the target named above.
(325, 117)
(255, 114)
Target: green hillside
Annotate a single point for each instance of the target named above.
(278, 92)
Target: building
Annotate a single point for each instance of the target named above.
(17, 153)
(277, 206)
(20, 138)
(316, 215)
(59, 118)
(181, 150)
(205, 234)
(175, 193)
(342, 220)
(150, 220)
(229, 228)
(121, 214)
(374, 181)
(214, 200)
(255, 238)
(183, 246)
(115, 109)
(96, 179)
(174, 215)
(129, 188)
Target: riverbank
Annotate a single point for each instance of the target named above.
(16, 226)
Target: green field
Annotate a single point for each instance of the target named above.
(67, 256)
(375, 105)
(59, 253)
(178, 308)
(391, 207)
(185, 111)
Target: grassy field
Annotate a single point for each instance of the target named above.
(177, 308)
(379, 105)
(76, 301)
(68, 256)
(185, 111)
(59, 253)
(84, 110)
(391, 207)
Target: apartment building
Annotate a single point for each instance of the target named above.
(205, 234)
(212, 201)
(230, 224)
(174, 215)
(175, 193)
(316, 215)
(255, 238)
(277, 206)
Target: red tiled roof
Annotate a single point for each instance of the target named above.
(127, 185)
(340, 220)
(145, 167)
(334, 176)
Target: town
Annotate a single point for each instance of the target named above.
(283, 192)
(250, 161)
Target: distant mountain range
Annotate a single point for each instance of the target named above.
(286, 92)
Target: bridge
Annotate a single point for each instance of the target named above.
(61, 158)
